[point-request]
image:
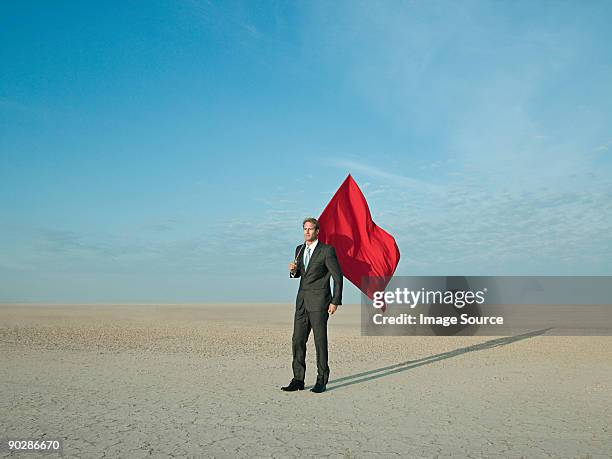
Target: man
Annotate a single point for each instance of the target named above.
(314, 263)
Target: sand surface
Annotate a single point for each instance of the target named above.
(204, 381)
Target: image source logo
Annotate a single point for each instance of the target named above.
(488, 305)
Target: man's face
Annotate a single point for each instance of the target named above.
(310, 233)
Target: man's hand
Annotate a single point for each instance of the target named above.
(292, 267)
(332, 308)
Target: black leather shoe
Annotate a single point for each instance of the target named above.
(294, 385)
(318, 388)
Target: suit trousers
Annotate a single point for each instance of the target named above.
(303, 322)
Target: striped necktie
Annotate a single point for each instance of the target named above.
(307, 258)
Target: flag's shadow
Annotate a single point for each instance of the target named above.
(410, 364)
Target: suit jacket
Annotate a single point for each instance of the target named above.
(314, 292)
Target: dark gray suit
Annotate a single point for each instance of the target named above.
(312, 302)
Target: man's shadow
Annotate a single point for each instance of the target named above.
(410, 364)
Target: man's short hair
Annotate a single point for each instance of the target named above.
(312, 220)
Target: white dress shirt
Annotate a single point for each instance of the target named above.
(312, 247)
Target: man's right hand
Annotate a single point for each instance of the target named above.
(293, 267)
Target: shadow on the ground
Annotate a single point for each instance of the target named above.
(410, 364)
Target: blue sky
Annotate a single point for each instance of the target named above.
(168, 151)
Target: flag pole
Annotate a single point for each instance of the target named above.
(298, 255)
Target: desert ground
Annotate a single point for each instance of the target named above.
(204, 381)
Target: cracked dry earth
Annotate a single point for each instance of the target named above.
(203, 381)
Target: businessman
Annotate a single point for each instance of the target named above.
(314, 263)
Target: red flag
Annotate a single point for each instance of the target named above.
(367, 254)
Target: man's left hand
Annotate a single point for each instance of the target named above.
(332, 308)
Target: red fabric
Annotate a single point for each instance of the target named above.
(367, 254)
